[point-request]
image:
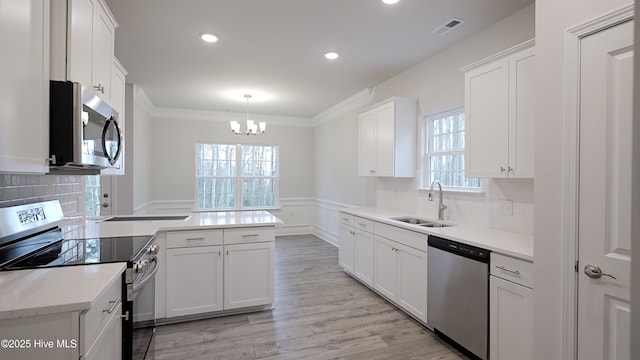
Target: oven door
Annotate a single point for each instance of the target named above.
(143, 320)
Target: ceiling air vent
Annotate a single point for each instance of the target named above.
(447, 26)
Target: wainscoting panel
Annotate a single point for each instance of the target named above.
(327, 221)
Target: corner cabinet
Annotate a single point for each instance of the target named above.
(499, 114)
(387, 139)
(24, 89)
(510, 308)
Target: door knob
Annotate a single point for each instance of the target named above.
(105, 205)
(594, 272)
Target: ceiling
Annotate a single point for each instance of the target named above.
(274, 49)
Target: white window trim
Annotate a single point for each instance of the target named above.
(238, 179)
(425, 136)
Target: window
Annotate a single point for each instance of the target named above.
(230, 177)
(443, 154)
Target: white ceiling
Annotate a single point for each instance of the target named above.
(276, 47)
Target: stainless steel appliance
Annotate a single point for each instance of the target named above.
(84, 131)
(458, 288)
(31, 237)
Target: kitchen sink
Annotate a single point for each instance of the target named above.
(420, 222)
(411, 220)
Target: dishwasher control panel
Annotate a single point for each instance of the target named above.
(455, 247)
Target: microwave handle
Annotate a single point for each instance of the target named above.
(104, 140)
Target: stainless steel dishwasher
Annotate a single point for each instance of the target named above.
(458, 288)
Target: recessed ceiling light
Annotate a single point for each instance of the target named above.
(390, 2)
(331, 55)
(210, 38)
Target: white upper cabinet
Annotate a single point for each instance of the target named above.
(83, 41)
(387, 139)
(499, 106)
(24, 89)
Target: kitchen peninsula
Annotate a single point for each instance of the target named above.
(209, 263)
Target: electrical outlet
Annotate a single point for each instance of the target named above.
(506, 207)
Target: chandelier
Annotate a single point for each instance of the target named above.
(252, 127)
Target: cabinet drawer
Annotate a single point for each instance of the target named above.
(409, 238)
(363, 224)
(249, 235)
(347, 219)
(180, 239)
(512, 269)
(93, 321)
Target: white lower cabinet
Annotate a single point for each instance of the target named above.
(401, 275)
(510, 309)
(94, 334)
(109, 344)
(218, 269)
(248, 275)
(345, 252)
(194, 280)
(363, 256)
(194, 272)
(386, 267)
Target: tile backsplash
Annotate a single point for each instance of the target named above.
(25, 189)
(504, 204)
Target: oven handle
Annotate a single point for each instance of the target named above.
(142, 283)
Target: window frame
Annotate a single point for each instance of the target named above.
(238, 178)
(426, 134)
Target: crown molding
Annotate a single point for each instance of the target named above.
(354, 102)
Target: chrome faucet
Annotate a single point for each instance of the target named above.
(441, 206)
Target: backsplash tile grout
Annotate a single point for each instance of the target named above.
(26, 189)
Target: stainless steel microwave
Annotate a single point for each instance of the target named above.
(84, 130)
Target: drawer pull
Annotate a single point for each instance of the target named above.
(514, 272)
(250, 235)
(195, 239)
(114, 305)
(362, 224)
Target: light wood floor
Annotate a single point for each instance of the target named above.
(319, 313)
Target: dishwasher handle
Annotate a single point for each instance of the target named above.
(454, 247)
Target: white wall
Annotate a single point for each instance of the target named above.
(173, 155)
(553, 17)
(141, 148)
(438, 83)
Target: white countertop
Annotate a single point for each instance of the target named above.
(506, 243)
(82, 228)
(54, 290)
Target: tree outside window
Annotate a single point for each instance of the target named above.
(230, 177)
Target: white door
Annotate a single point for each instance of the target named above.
(604, 228)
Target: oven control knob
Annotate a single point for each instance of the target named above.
(141, 266)
(154, 249)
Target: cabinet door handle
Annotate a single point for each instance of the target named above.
(219, 253)
(514, 272)
(510, 169)
(502, 169)
(99, 88)
(114, 305)
(195, 239)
